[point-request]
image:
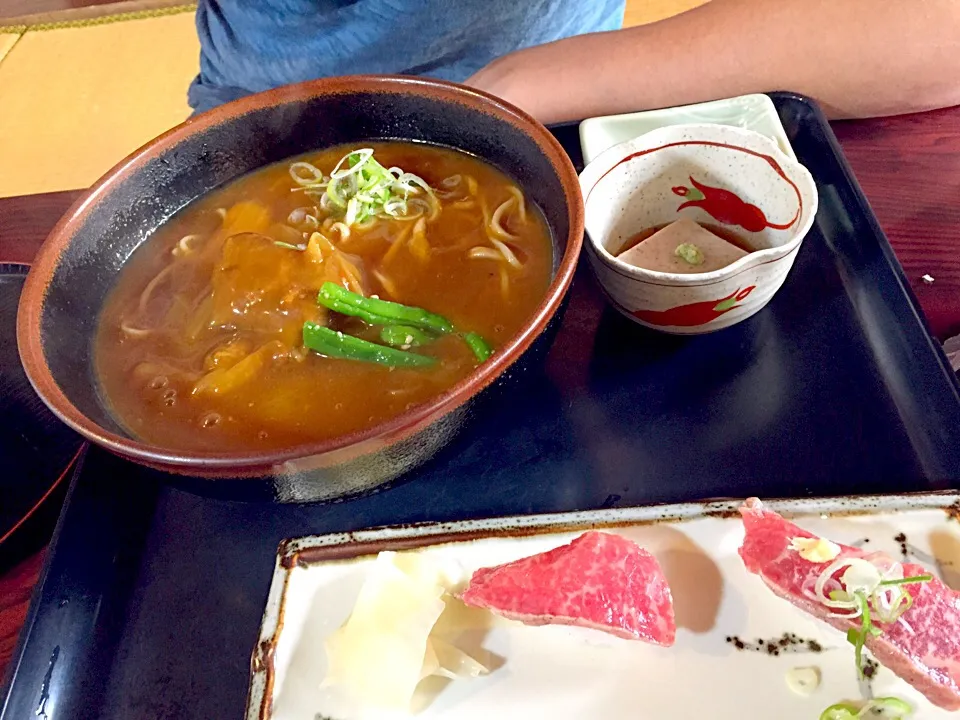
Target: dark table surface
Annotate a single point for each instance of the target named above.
(909, 168)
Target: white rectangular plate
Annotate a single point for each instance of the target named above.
(751, 112)
(570, 673)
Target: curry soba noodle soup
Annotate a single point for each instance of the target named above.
(319, 296)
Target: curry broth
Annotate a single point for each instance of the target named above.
(213, 290)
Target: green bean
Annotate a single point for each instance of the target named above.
(345, 309)
(335, 344)
(379, 312)
(480, 347)
(404, 336)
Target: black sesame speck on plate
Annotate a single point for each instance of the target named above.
(902, 539)
(786, 643)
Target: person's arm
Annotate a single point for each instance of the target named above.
(858, 58)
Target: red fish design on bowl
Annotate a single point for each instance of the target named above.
(693, 314)
(727, 207)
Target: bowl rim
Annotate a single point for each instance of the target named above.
(619, 152)
(344, 447)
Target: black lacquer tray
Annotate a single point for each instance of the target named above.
(36, 450)
(152, 596)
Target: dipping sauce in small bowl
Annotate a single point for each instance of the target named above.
(693, 228)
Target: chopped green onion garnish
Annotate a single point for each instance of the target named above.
(858, 636)
(840, 711)
(360, 188)
(868, 593)
(887, 707)
(908, 580)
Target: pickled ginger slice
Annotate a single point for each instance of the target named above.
(377, 657)
(385, 648)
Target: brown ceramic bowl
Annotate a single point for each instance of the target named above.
(78, 263)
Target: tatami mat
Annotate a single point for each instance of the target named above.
(78, 100)
(642, 12)
(7, 41)
(78, 97)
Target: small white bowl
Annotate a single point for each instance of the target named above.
(727, 176)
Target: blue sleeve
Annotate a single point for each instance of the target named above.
(253, 45)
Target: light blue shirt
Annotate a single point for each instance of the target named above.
(253, 45)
